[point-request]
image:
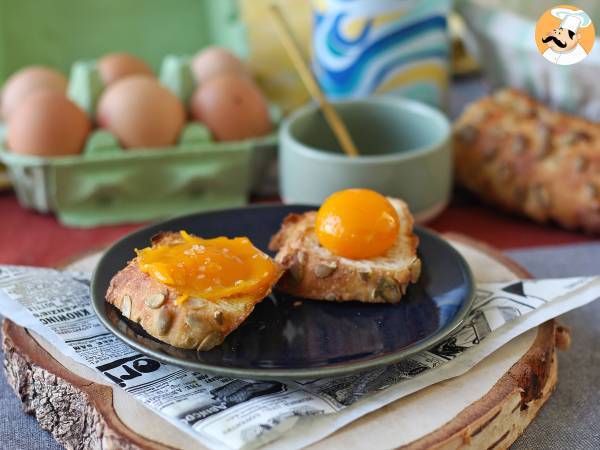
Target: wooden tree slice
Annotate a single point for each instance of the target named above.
(488, 407)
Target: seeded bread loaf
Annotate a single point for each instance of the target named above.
(316, 273)
(196, 323)
(518, 154)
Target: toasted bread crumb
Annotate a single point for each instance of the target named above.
(316, 273)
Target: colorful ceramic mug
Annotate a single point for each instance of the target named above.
(364, 47)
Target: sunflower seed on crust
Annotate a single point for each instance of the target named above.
(323, 270)
(212, 339)
(219, 318)
(126, 306)
(388, 290)
(163, 321)
(195, 303)
(155, 300)
(192, 321)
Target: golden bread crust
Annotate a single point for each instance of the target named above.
(518, 154)
(197, 323)
(314, 272)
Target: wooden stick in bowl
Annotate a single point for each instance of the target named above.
(331, 116)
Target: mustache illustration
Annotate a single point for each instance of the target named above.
(556, 41)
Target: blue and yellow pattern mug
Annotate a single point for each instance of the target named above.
(365, 47)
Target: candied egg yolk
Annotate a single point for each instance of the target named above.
(357, 224)
(209, 268)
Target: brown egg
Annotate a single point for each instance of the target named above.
(25, 82)
(141, 112)
(114, 66)
(47, 123)
(232, 107)
(215, 61)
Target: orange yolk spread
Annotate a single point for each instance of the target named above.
(209, 268)
(357, 224)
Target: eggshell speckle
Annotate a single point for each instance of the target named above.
(215, 61)
(27, 81)
(114, 66)
(232, 107)
(141, 112)
(47, 123)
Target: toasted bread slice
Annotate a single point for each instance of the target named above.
(196, 323)
(316, 273)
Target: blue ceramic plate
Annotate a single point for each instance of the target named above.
(287, 339)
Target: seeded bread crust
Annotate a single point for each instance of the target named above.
(518, 154)
(316, 273)
(197, 323)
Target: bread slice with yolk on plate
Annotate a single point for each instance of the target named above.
(315, 272)
(191, 292)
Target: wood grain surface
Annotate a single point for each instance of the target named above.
(83, 413)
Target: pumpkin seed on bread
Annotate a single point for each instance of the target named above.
(185, 321)
(522, 156)
(314, 272)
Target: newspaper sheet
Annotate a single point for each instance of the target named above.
(224, 413)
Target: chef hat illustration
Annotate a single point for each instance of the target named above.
(571, 20)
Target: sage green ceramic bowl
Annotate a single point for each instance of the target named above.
(404, 145)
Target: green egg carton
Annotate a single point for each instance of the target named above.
(107, 184)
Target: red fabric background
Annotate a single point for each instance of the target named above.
(30, 238)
